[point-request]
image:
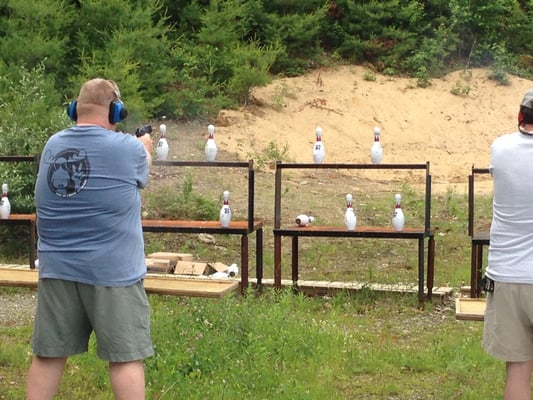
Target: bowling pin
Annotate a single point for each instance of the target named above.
(233, 270)
(225, 211)
(398, 218)
(162, 145)
(304, 220)
(376, 151)
(5, 206)
(350, 219)
(210, 145)
(318, 149)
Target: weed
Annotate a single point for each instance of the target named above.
(369, 76)
(460, 89)
(270, 155)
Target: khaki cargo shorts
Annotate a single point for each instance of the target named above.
(68, 312)
(508, 326)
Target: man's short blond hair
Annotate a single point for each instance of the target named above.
(95, 94)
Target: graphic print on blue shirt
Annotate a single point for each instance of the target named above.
(68, 172)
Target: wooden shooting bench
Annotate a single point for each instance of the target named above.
(24, 219)
(473, 308)
(381, 232)
(243, 228)
(479, 238)
(155, 284)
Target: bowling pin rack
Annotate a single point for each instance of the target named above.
(479, 237)
(244, 228)
(420, 234)
(28, 219)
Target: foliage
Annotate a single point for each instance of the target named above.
(31, 106)
(189, 58)
(167, 202)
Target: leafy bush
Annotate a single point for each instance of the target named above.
(169, 203)
(31, 106)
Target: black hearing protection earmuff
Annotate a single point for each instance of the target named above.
(117, 111)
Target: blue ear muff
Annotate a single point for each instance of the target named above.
(117, 112)
(71, 110)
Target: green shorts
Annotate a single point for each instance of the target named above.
(507, 332)
(68, 312)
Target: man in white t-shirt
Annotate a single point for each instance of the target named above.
(508, 329)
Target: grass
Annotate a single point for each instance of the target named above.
(282, 345)
(285, 346)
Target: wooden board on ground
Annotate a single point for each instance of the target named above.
(171, 256)
(152, 284)
(468, 309)
(156, 265)
(189, 287)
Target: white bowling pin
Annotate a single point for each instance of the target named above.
(350, 219)
(5, 206)
(398, 218)
(318, 148)
(162, 145)
(304, 220)
(376, 151)
(225, 211)
(210, 145)
(233, 270)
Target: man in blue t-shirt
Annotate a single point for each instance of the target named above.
(91, 249)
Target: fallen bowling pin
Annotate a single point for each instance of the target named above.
(233, 270)
(304, 220)
(162, 144)
(219, 275)
(225, 211)
(398, 217)
(5, 205)
(210, 145)
(350, 219)
(318, 148)
(376, 151)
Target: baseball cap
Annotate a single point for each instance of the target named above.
(527, 101)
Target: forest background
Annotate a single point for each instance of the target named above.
(188, 59)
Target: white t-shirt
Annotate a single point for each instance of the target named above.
(510, 256)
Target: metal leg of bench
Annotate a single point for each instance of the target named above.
(431, 266)
(473, 271)
(479, 269)
(259, 257)
(277, 261)
(33, 240)
(421, 265)
(294, 263)
(244, 263)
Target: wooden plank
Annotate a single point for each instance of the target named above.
(469, 309)
(159, 265)
(189, 287)
(19, 277)
(153, 284)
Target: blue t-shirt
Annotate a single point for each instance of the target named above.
(89, 207)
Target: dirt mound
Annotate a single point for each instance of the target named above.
(450, 123)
